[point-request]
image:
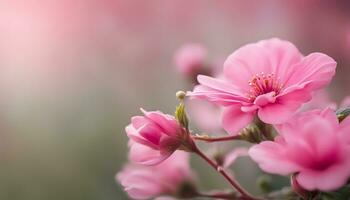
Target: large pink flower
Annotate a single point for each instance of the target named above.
(314, 145)
(270, 78)
(154, 137)
(145, 182)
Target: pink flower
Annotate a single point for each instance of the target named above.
(189, 59)
(145, 182)
(205, 115)
(320, 99)
(314, 146)
(270, 78)
(154, 137)
(232, 156)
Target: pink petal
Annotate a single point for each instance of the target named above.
(285, 106)
(205, 115)
(139, 121)
(277, 113)
(265, 99)
(314, 71)
(231, 157)
(296, 93)
(270, 157)
(233, 119)
(328, 180)
(165, 122)
(218, 91)
(134, 135)
(219, 85)
(215, 96)
(147, 156)
(283, 55)
(329, 115)
(268, 56)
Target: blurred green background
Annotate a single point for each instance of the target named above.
(73, 72)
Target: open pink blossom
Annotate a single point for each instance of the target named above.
(270, 78)
(189, 59)
(146, 182)
(314, 146)
(154, 137)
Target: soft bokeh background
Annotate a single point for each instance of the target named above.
(72, 73)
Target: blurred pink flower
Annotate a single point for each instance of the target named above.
(313, 145)
(232, 156)
(154, 137)
(205, 115)
(145, 182)
(270, 78)
(189, 59)
(320, 99)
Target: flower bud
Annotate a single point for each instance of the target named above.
(264, 183)
(180, 95)
(156, 136)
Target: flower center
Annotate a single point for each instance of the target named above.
(262, 84)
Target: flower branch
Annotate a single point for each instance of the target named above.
(234, 183)
(207, 138)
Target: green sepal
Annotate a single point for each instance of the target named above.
(180, 115)
(342, 113)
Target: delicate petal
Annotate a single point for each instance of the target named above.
(231, 157)
(271, 158)
(314, 71)
(215, 96)
(328, 180)
(268, 56)
(168, 124)
(134, 135)
(139, 121)
(219, 85)
(233, 119)
(277, 113)
(147, 156)
(265, 99)
(205, 115)
(149, 182)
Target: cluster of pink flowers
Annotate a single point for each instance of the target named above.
(265, 93)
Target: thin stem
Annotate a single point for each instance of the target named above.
(218, 195)
(243, 192)
(207, 138)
